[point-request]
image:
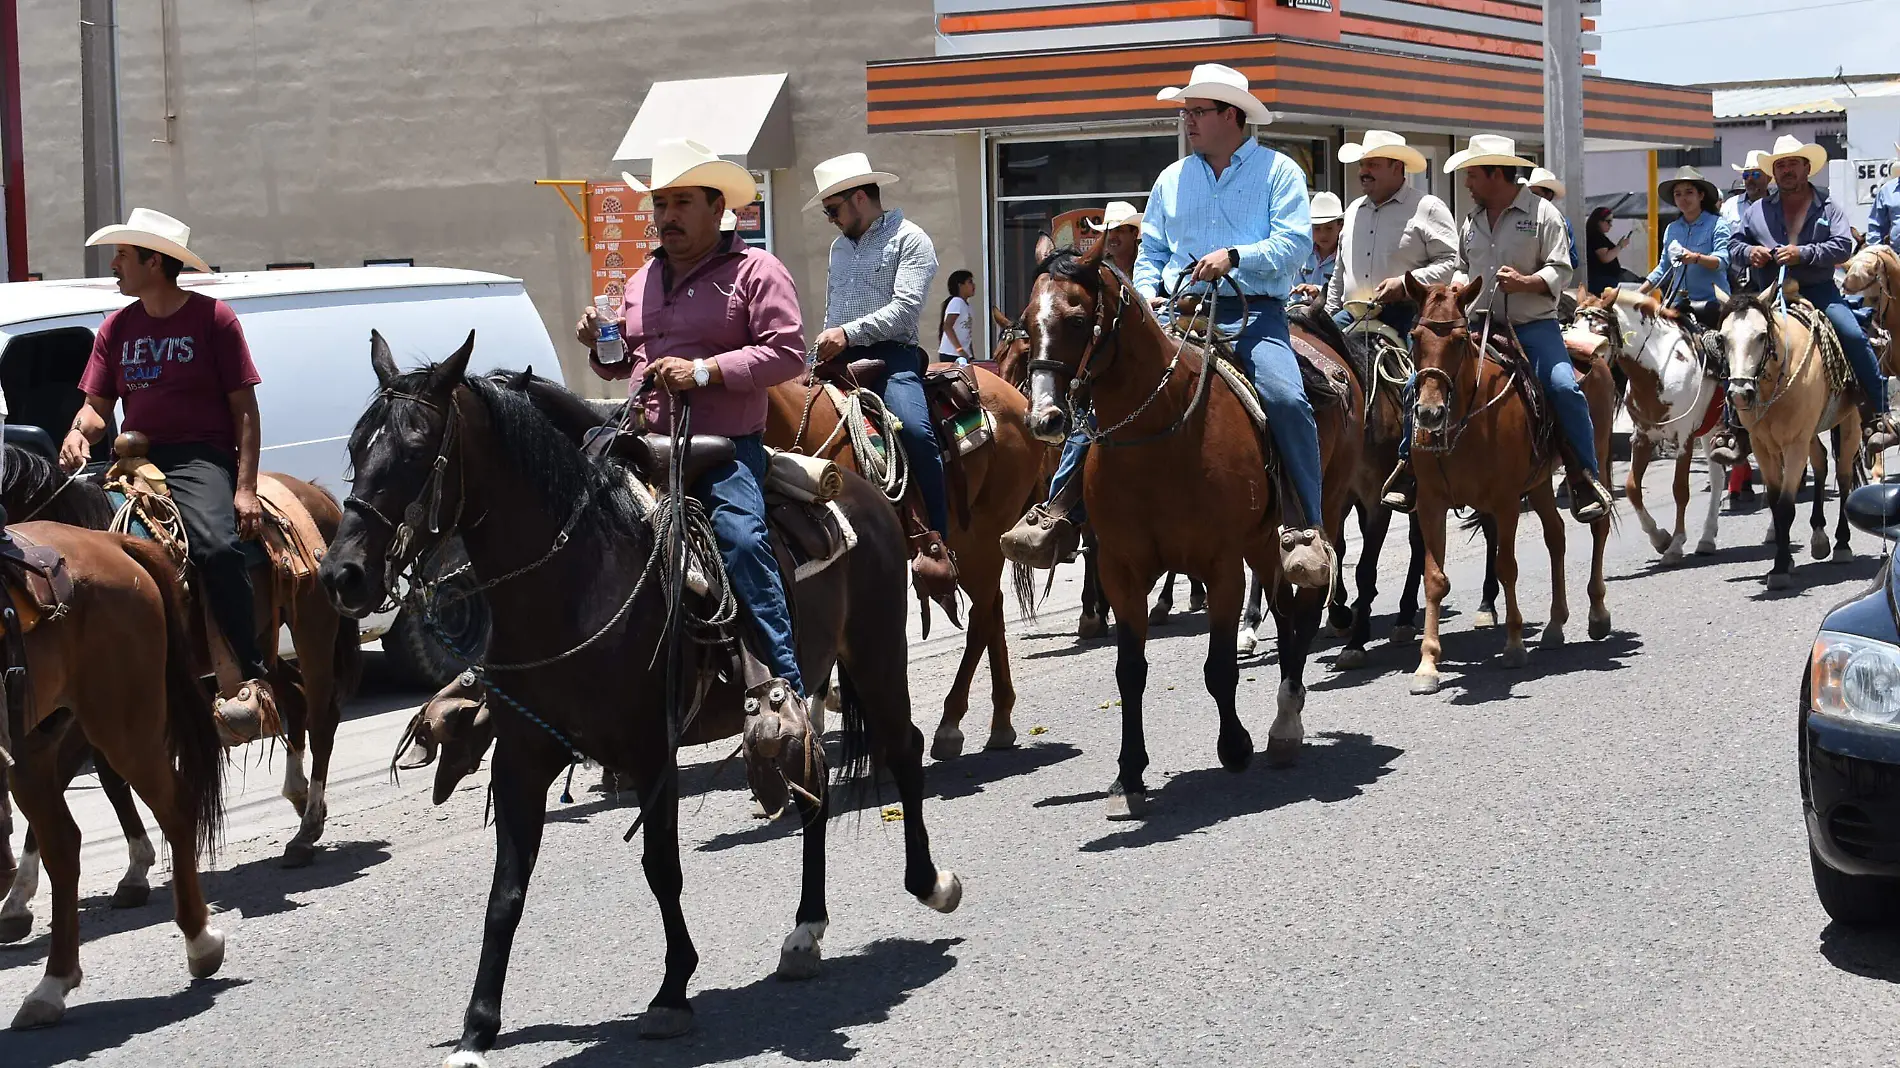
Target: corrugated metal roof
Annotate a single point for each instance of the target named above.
(1805, 97)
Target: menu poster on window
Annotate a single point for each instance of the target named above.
(620, 237)
(1071, 230)
(752, 223)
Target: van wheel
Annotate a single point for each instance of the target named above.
(415, 651)
(1855, 900)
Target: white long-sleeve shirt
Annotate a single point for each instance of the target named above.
(1412, 231)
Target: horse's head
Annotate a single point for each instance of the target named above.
(1441, 345)
(407, 482)
(1074, 303)
(1012, 355)
(1748, 335)
(1872, 274)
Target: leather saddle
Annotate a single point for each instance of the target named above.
(854, 371)
(37, 579)
(651, 455)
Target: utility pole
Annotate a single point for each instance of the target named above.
(12, 162)
(99, 134)
(1563, 104)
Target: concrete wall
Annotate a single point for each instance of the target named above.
(341, 130)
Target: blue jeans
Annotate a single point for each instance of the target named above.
(1265, 352)
(1853, 342)
(902, 391)
(737, 503)
(1074, 452)
(1543, 342)
(1400, 317)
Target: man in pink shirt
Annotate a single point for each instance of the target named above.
(712, 315)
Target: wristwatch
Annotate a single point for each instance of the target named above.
(1234, 254)
(702, 373)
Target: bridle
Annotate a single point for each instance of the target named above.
(1446, 440)
(1603, 321)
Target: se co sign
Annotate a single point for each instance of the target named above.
(1870, 175)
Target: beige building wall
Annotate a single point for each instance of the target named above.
(341, 130)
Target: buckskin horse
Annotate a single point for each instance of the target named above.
(1177, 480)
(112, 663)
(1475, 444)
(1790, 384)
(1873, 275)
(563, 548)
(991, 487)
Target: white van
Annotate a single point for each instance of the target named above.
(308, 332)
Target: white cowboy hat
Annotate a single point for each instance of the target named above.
(1667, 188)
(1487, 150)
(729, 221)
(1544, 179)
(680, 162)
(1788, 146)
(1326, 208)
(1118, 213)
(1211, 81)
(155, 231)
(848, 171)
(1753, 163)
(1383, 144)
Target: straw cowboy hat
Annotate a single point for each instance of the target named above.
(729, 220)
(679, 162)
(1712, 196)
(1543, 179)
(1326, 208)
(1787, 146)
(1211, 81)
(848, 171)
(1753, 163)
(1384, 144)
(1118, 213)
(1487, 150)
(155, 231)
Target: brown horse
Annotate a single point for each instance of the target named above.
(116, 665)
(1000, 481)
(1177, 481)
(1874, 276)
(1474, 446)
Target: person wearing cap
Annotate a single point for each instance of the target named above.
(179, 364)
(881, 268)
(1317, 272)
(1695, 244)
(1392, 230)
(1883, 217)
(714, 319)
(1546, 184)
(1799, 228)
(1514, 244)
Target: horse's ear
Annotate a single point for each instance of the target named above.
(1097, 253)
(455, 368)
(380, 359)
(1045, 247)
(1414, 288)
(1469, 295)
(1721, 296)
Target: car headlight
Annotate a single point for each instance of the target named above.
(1856, 678)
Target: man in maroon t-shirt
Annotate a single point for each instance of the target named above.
(178, 363)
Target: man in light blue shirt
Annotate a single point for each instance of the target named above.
(1883, 218)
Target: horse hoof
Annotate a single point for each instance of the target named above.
(45, 1006)
(1236, 750)
(465, 1059)
(16, 927)
(947, 745)
(204, 955)
(1485, 619)
(1552, 637)
(1660, 539)
(1091, 627)
(1001, 738)
(1672, 558)
(1820, 547)
(1127, 805)
(661, 1022)
(758, 811)
(1705, 547)
(1842, 554)
(948, 894)
(1599, 627)
(1245, 644)
(1779, 580)
(1423, 684)
(298, 855)
(298, 801)
(1516, 656)
(1283, 752)
(1197, 602)
(1159, 614)
(802, 953)
(131, 896)
(1404, 632)
(1339, 621)
(1349, 659)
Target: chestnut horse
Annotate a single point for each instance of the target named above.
(1001, 481)
(1177, 481)
(115, 667)
(1474, 446)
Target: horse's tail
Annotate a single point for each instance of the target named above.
(854, 744)
(191, 730)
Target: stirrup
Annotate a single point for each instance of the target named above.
(1400, 492)
(934, 564)
(248, 714)
(1589, 499)
(1042, 539)
(782, 754)
(1300, 545)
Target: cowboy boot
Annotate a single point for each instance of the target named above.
(1047, 536)
(1590, 500)
(1878, 434)
(1401, 489)
(1307, 559)
(248, 714)
(782, 752)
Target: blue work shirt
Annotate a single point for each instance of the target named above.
(1883, 219)
(1316, 271)
(1825, 239)
(1708, 235)
(1258, 206)
(1576, 261)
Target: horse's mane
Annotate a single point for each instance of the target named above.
(1067, 264)
(35, 488)
(1645, 303)
(1314, 320)
(1745, 301)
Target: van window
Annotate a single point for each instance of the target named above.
(40, 375)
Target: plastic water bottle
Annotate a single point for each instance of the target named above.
(609, 347)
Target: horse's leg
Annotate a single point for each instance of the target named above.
(1718, 480)
(1002, 685)
(1248, 639)
(519, 781)
(1374, 523)
(134, 890)
(1642, 450)
(167, 793)
(1094, 621)
(1779, 488)
(1297, 615)
(1405, 622)
(1197, 595)
(1817, 520)
(1544, 500)
(1164, 603)
(1225, 588)
(315, 636)
(669, 1014)
(1488, 596)
(1126, 591)
(1515, 654)
(883, 695)
(1338, 609)
(41, 791)
(981, 576)
(1431, 525)
(16, 913)
(1846, 477)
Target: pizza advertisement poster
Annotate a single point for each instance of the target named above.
(620, 237)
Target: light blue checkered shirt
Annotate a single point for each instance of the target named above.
(877, 283)
(1258, 206)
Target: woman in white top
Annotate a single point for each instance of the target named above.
(954, 336)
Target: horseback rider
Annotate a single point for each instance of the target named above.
(881, 267)
(1883, 217)
(1121, 229)
(1515, 244)
(1697, 243)
(1392, 230)
(179, 363)
(713, 315)
(1321, 263)
(1800, 228)
(1260, 236)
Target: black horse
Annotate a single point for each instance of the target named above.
(562, 543)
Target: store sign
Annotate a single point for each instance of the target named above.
(620, 238)
(1309, 5)
(1870, 175)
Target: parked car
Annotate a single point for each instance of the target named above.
(309, 336)
(1850, 737)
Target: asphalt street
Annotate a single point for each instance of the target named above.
(1594, 860)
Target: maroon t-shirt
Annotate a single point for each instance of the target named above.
(174, 375)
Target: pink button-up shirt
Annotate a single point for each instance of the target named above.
(737, 308)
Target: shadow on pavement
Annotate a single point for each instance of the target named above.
(1874, 954)
(93, 1027)
(264, 887)
(805, 1021)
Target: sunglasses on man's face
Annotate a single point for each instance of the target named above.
(1754, 174)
